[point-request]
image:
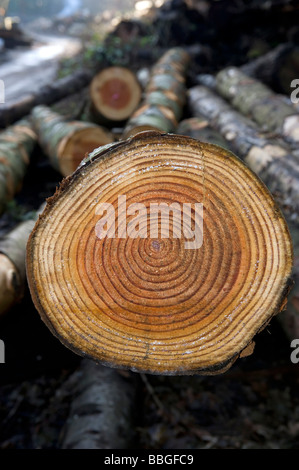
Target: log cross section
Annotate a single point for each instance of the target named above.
(151, 304)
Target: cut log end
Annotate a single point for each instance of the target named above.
(73, 148)
(154, 301)
(115, 93)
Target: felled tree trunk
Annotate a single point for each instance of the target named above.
(256, 100)
(179, 288)
(114, 94)
(277, 68)
(16, 145)
(103, 409)
(46, 95)
(271, 159)
(164, 97)
(66, 142)
(12, 263)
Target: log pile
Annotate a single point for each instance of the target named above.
(154, 304)
(271, 158)
(77, 148)
(194, 128)
(256, 100)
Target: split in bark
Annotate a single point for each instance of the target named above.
(169, 301)
(66, 142)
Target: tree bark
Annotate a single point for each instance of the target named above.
(164, 96)
(160, 301)
(66, 142)
(256, 100)
(199, 128)
(47, 95)
(103, 409)
(277, 68)
(12, 263)
(16, 145)
(272, 159)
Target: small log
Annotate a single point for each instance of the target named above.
(114, 291)
(114, 93)
(16, 145)
(46, 95)
(271, 159)
(103, 409)
(256, 100)
(151, 117)
(277, 68)
(164, 97)
(66, 142)
(12, 263)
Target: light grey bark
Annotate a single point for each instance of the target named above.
(271, 159)
(103, 408)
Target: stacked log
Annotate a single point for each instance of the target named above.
(164, 97)
(270, 158)
(16, 146)
(161, 302)
(259, 102)
(66, 142)
(114, 94)
(12, 263)
(47, 95)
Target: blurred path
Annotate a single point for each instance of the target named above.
(25, 71)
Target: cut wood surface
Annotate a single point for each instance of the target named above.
(66, 142)
(150, 301)
(12, 263)
(115, 93)
(272, 159)
(164, 96)
(16, 145)
(46, 95)
(256, 100)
